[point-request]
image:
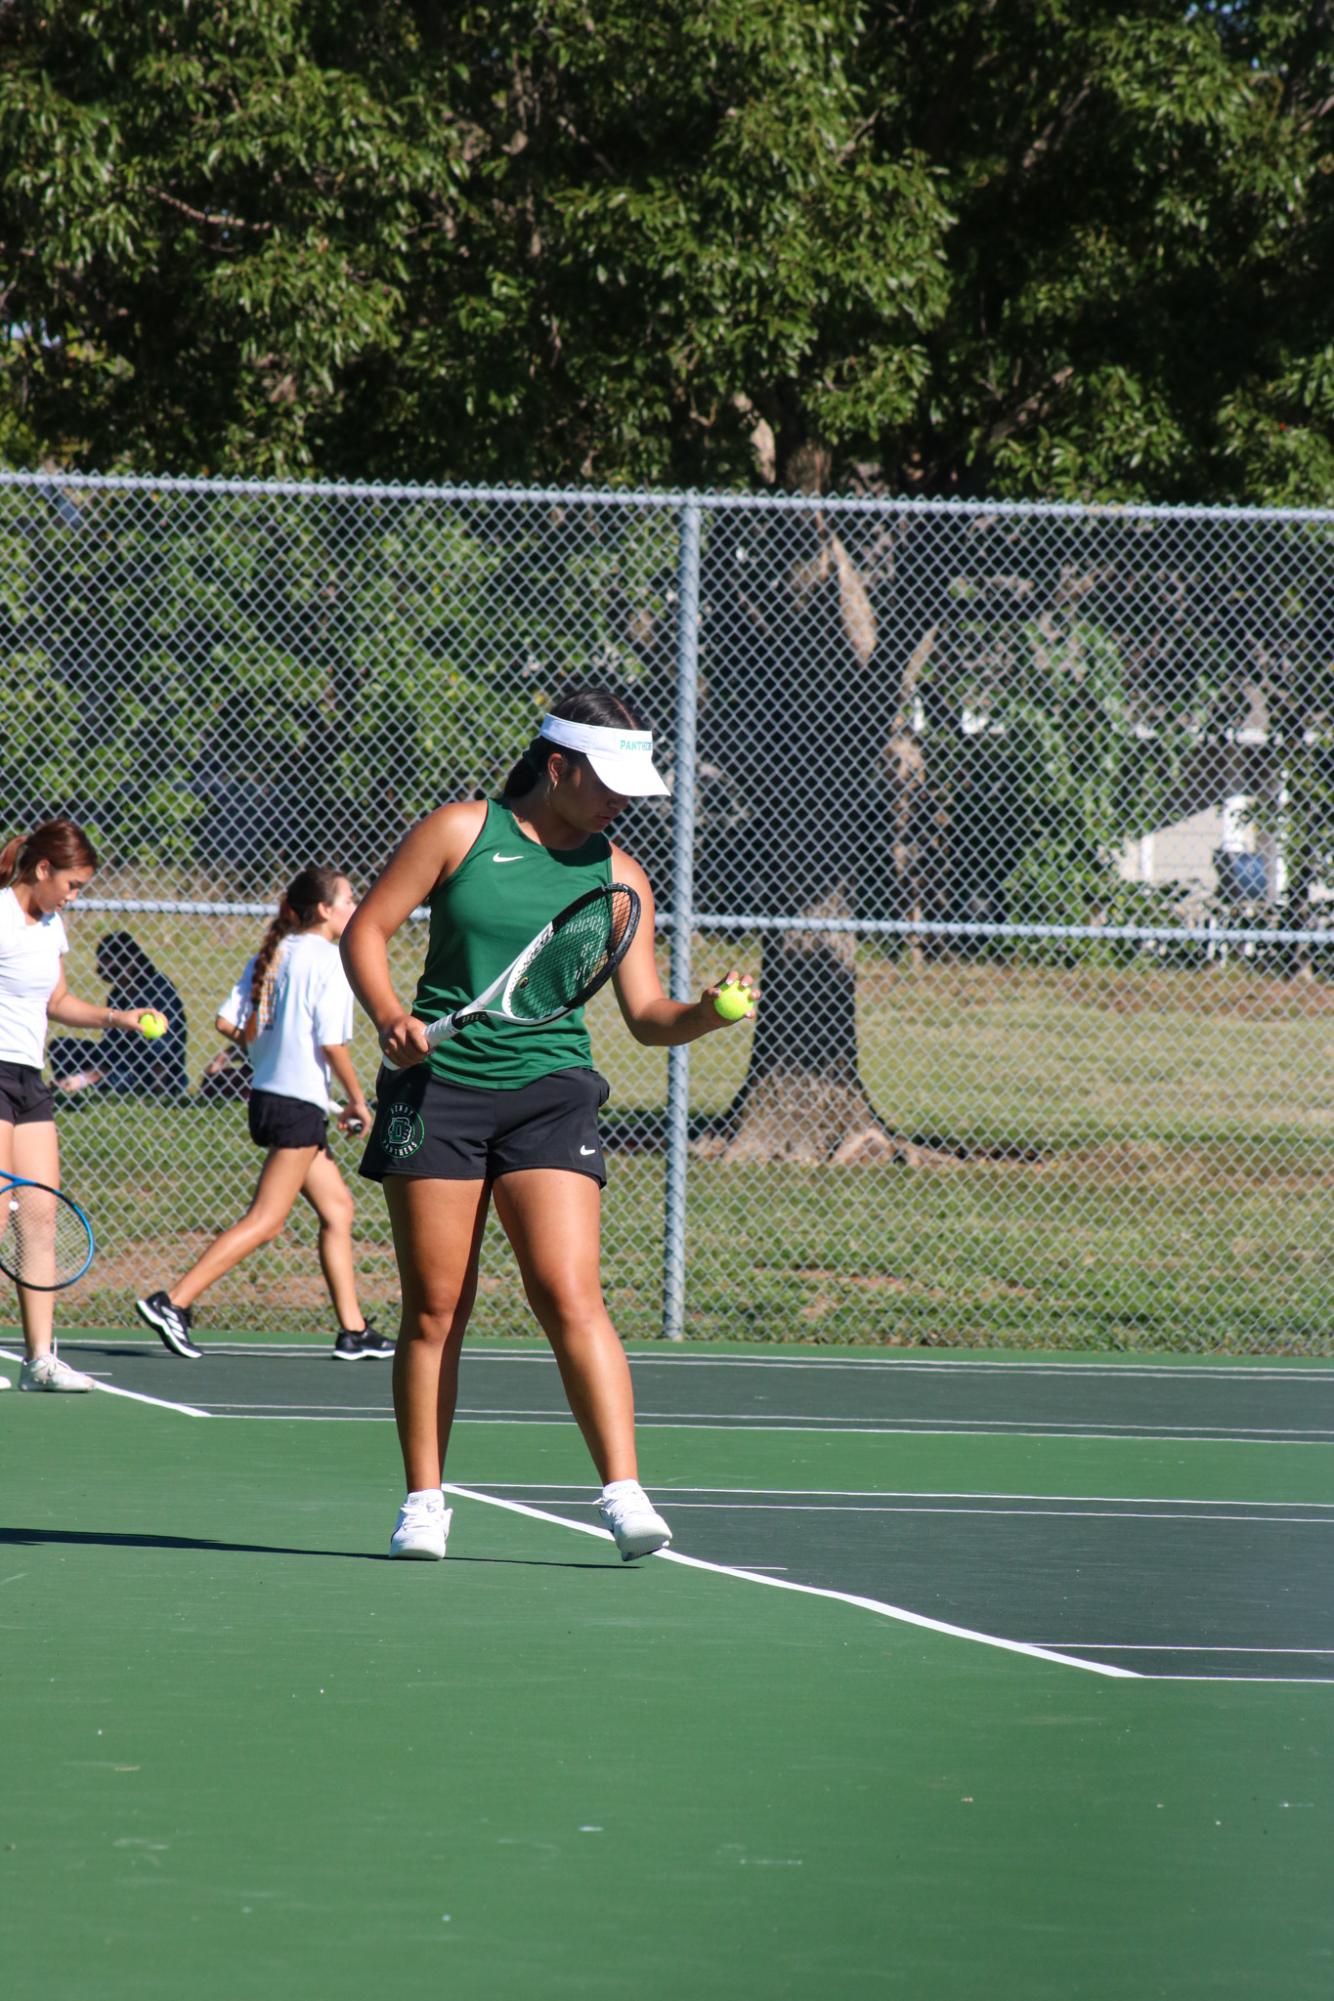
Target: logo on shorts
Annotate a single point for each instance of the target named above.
(403, 1133)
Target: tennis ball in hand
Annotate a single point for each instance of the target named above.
(732, 1000)
(152, 1026)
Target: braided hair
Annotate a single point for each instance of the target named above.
(298, 909)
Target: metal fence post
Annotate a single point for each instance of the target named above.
(683, 897)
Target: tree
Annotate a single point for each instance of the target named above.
(987, 250)
(935, 248)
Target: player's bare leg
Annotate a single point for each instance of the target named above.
(280, 1182)
(34, 1152)
(553, 1220)
(437, 1228)
(331, 1199)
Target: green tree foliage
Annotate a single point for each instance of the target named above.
(924, 246)
(1015, 249)
(217, 681)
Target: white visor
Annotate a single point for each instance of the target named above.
(622, 759)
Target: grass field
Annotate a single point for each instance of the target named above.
(1133, 1159)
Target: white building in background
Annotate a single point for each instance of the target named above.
(1211, 846)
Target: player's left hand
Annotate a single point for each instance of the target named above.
(747, 991)
(355, 1116)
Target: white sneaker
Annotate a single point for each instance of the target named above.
(48, 1372)
(630, 1515)
(422, 1529)
(4, 1382)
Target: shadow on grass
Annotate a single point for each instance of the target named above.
(120, 1539)
(644, 1131)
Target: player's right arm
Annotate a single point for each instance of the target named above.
(424, 858)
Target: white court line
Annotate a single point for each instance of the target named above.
(931, 1428)
(144, 1344)
(339, 1409)
(1027, 1514)
(830, 1422)
(932, 1494)
(638, 1358)
(256, 1414)
(1164, 1647)
(293, 1416)
(1230, 1371)
(1263, 1680)
(909, 1425)
(132, 1396)
(162, 1403)
(896, 1612)
(710, 1420)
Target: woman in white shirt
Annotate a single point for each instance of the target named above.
(41, 873)
(292, 1010)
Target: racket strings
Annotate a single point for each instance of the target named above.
(570, 963)
(44, 1240)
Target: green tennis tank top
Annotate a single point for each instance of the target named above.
(506, 888)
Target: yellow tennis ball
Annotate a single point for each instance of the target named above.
(732, 1001)
(152, 1026)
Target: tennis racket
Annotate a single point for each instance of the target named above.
(558, 970)
(46, 1241)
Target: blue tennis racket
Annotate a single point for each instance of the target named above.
(46, 1241)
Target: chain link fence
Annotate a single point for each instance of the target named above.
(1022, 815)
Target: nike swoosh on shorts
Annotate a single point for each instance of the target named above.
(588, 1149)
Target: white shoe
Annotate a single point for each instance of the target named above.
(422, 1529)
(630, 1515)
(4, 1382)
(48, 1372)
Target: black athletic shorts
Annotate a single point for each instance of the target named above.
(450, 1132)
(25, 1096)
(279, 1121)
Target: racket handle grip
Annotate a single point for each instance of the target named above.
(436, 1033)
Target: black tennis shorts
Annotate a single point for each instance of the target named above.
(450, 1132)
(25, 1096)
(279, 1121)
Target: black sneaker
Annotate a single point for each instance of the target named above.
(361, 1344)
(171, 1322)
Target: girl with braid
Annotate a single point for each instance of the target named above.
(291, 1010)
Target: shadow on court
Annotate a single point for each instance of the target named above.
(104, 1538)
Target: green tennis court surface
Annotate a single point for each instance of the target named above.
(962, 1679)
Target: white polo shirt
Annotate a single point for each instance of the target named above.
(311, 1008)
(30, 956)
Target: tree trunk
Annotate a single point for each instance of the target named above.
(802, 718)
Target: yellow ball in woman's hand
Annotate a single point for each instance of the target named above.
(732, 1001)
(152, 1025)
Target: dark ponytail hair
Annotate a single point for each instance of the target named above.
(300, 906)
(596, 706)
(59, 842)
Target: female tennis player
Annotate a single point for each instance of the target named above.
(41, 873)
(292, 1008)
(505, 1113)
